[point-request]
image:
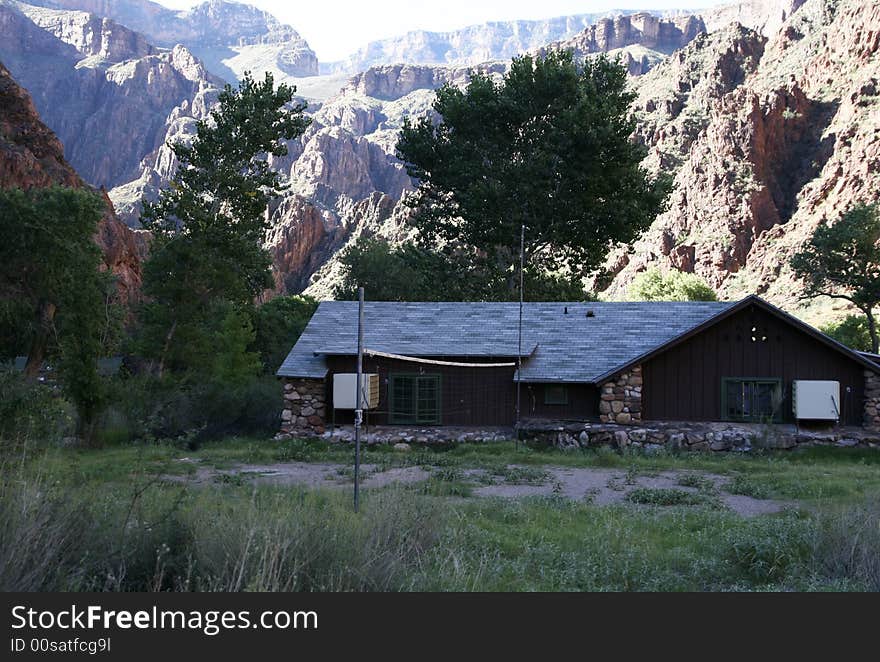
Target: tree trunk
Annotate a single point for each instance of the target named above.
(166, 349)
(40, 343)
(872, 329)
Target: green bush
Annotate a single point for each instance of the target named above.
(146, 408)
(664, 497)
(31, 411)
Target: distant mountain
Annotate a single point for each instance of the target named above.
(499, 40)
(107, 93)
(642, 39)
(229, 37)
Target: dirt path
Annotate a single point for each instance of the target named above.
(602, 487)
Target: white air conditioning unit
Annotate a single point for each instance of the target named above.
(816, 401)
(345, 394)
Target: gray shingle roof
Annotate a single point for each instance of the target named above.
(570, 348)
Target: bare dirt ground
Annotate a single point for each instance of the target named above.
(602, 487)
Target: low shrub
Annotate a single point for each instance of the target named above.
(665, 497)
(31, 411)
(146, 408)
(750, 487)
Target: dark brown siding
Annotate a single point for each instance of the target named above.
(583, 403)
(470, 396)
(684, 383)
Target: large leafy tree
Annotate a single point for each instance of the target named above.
(409, 272)
(842, 261)
(278, 324)
(673, 285)
(53, 296)
(548, 147)
(209, 224)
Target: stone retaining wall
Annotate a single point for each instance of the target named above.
(305, 407)
(699, 437)
(694, 437)
(621, 400)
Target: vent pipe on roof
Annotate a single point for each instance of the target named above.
(566, 310)
(591, 313)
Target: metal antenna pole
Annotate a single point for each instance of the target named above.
(522, 251)
(359, 411)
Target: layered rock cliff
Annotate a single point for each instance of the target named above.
(230, 37)
(32, 156)
(476, 44)
(106, 92)
(765, 142)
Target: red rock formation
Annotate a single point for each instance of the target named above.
(32, 156)
(790, 140)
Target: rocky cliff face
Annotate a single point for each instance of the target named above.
(642, 29)
(473, 45)
(229, 37)
(781, 136)
(32, 156)
(106, 92)
(763, 16)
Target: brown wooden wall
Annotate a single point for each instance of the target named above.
(684, 383)
(583, 403)
(469, 396)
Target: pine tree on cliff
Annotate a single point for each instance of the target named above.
(548, 147)
(207, 263)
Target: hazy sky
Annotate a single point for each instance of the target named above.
(337, 28)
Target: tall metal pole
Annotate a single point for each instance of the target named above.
(522, 252)
(359, 411)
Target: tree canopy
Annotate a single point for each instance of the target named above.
(842, 261)
(548, 147)
(851, 331)
(53, 296)
(413, 273)
(672, 285)
(209, 224)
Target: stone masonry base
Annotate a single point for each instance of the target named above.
(694, 437)
(305, 407)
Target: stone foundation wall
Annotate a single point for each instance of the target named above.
(696, 437)
(305, 407)
(647, 437)
(621, 400)
(872, 400)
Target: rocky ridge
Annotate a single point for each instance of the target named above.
(230, 37)
(107, 93)
(781, 135)
(642, 39)
(473, 45)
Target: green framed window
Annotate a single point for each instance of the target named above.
(555, 394)
(752, 400)
(414, 399)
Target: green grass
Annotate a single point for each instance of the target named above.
(105, 520)
(811, 476)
